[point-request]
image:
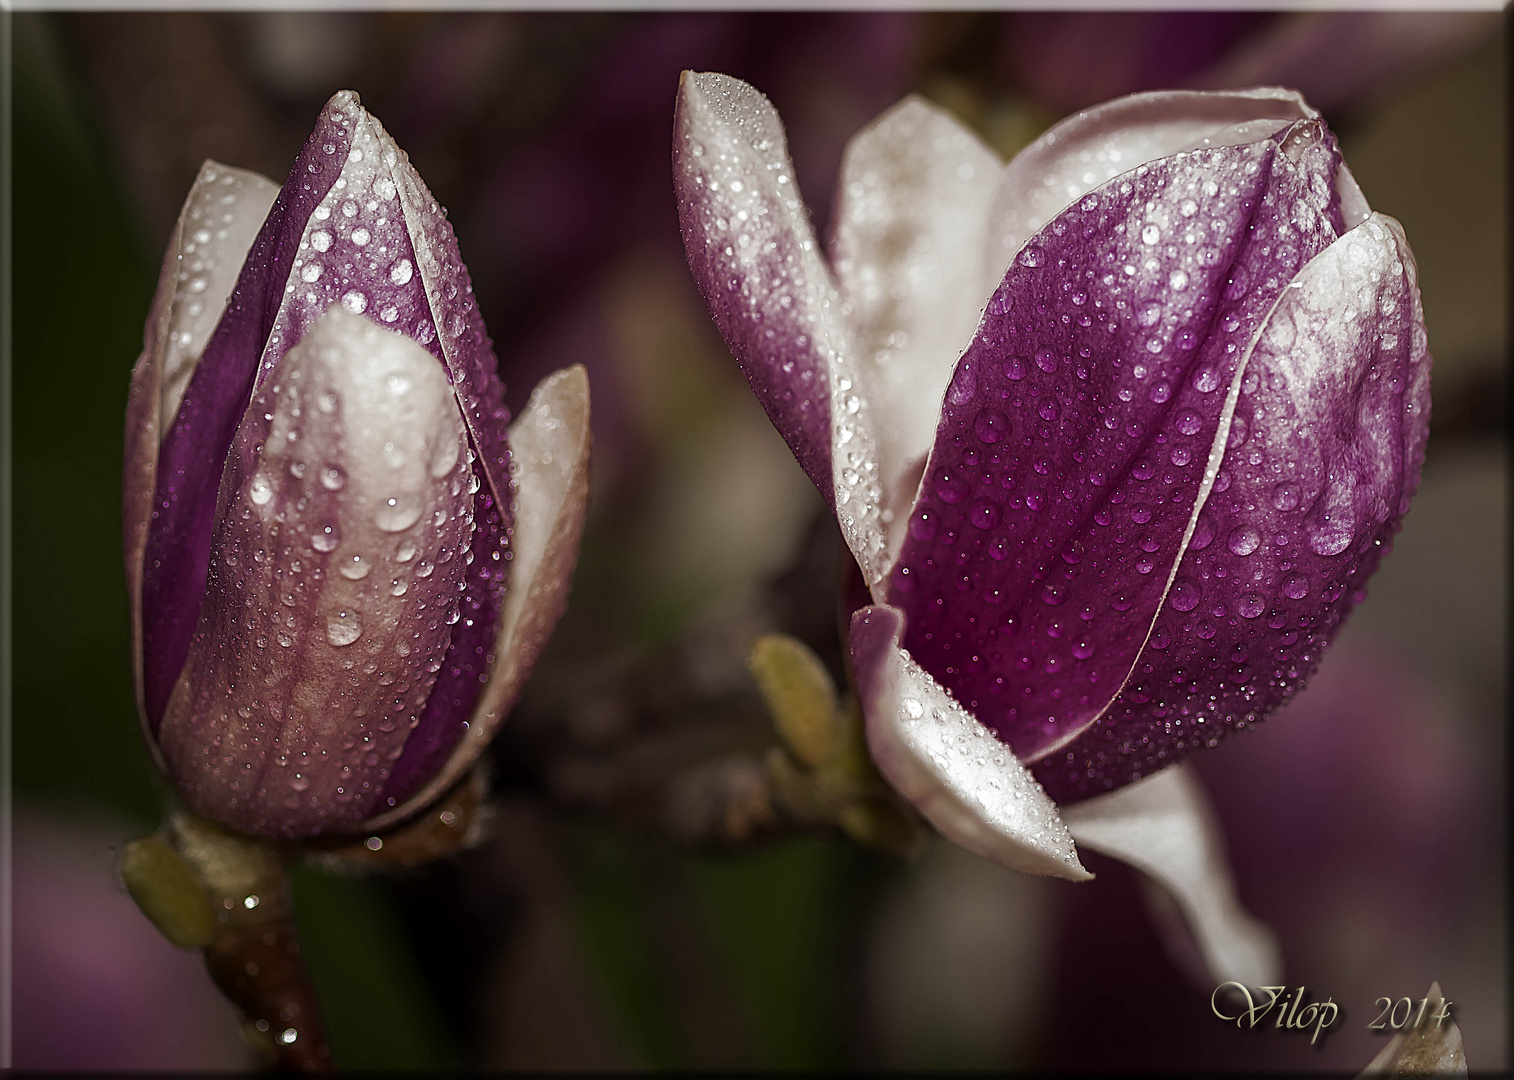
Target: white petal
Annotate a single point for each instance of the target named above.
(953, 769)
(914, 197)
(1098, 144)
(549, 449)
(1163, 826)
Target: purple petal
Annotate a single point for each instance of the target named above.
(936, 755)
(190, 463)
(465, 668)
(754, 256)
(1076, 432)
(217, 225)
(1092, 147)
(550, 443)
(340, 550)
(1324, 452)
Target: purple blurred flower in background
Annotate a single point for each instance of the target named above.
(343, 558)
(1129, 515)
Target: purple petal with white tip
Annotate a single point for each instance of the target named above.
(948, 765)
(1095, 145)
(754, 256)
(219, 221)
(338, 555)
(1080, 425)
(179, 536)
(550, 463)
(1323, 454)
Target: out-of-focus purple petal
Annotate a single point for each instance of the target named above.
(754, 255)
(550, 448)
(913, 201)
(311, 663)
(194, 447)
(1164, 827)
(948, 765)
(1341, 59)
(1080, 424)
(1085, 150)
(218, 223)
(1322, 454)
(1069, 60)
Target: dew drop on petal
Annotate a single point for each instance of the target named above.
(343, 628)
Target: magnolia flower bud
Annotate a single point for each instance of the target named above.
(1115, 432)
(343, 559)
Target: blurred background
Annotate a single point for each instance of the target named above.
(600, 925)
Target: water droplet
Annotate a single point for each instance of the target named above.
(321, 241)
(361, 236)
(326, 538)
(1205, 380)
(1185, 595)
(397, 513)
(355, 301)
(1285, 496)
(311, 272)
(260, 490)
(1046, 360)
(1150, 234)
(333, 478)
(913, 709)
(1031, 256)
(401, 272)
(356, 568)
(1177, 281)
(1243, 540)
(343, 628)
(406, 552)
(1296, 586)
(985, 514)
(990, 426)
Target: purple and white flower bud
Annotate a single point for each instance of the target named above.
(343, 558)
(1116, 432)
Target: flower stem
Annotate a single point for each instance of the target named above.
(229, 896)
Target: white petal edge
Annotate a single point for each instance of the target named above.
(728, 115)
(1093, 146)
(1164, 827)
(1428, 1050)
(913, 201)
(948, 765)
(220, 219)
(549, 463)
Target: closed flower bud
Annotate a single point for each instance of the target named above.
(343, 558)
